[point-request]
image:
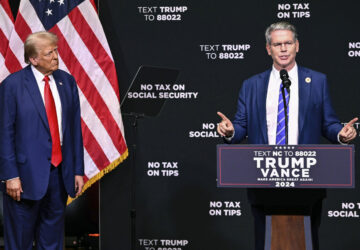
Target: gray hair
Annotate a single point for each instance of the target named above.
(30, 46)
(280, 26)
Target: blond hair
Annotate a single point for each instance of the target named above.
(30, 46)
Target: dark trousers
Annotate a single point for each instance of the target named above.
(259, 213)
(41, 221)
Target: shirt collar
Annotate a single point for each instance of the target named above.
(38, 75)
(293, 73)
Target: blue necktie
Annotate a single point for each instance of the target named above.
(280, 129)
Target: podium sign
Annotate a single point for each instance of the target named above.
(290, 166)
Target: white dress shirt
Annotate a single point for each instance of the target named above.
(41, 84)
(272, 101)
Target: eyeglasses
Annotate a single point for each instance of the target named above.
(280, 45)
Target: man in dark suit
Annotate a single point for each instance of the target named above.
(260, 117)
(41, 150)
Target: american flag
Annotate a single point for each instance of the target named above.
(6, 27)
(85, 54)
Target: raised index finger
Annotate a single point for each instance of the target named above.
(350, 123)
(222, 116)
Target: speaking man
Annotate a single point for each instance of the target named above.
(260, 116)
(41, 150)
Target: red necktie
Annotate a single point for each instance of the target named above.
(56, 156)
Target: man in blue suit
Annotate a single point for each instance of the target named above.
(41, 150)
(310, 116)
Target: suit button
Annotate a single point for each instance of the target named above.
(49, 158)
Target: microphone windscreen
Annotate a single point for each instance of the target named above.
(285, 78)
(283, 74)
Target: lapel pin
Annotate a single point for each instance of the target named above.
(60, 83)
(308, 80)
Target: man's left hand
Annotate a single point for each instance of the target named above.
(79, 184)
(348, 132)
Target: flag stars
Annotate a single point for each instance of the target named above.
(61, 2)
(52, 1)
(49, 12)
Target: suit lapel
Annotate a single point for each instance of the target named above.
(304, 95)
(261, 89)
(33, 89)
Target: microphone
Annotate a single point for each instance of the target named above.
(285, 79)
(286, 84)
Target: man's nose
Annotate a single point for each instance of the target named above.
(283, 47)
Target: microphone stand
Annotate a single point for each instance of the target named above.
(134, 125)
(285, 110)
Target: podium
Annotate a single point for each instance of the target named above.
(285, 167)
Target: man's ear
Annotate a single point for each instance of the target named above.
(297, 46)
(268, 49)
(33, 61)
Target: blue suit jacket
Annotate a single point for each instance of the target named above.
(316, 118)
(316, 115)
(25, 148)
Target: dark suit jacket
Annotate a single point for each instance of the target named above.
(316, 118)
(25, 148)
